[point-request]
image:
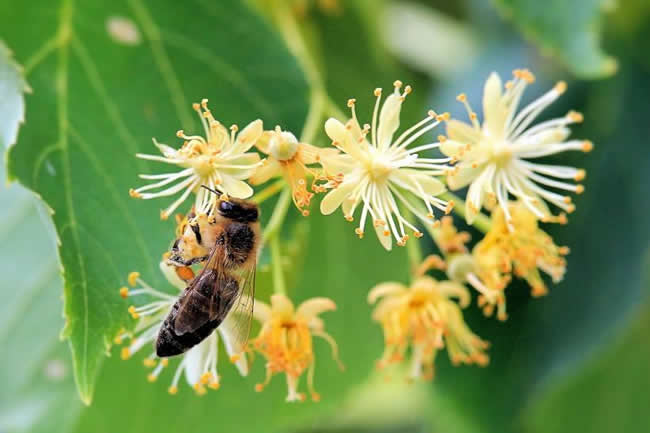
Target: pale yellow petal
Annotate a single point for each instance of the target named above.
(462, 176)
(261, 311)
(386, 240)
(389, 288)
(462, 132)
(389, 120)
(235, 187)
(315, 306)
(494, 109)
(281, 304)
(335, 197)
(418, 183)
(248, 136)
(270, 168)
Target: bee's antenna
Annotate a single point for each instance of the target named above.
(217, 193)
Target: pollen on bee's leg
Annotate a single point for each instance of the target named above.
(185, 273)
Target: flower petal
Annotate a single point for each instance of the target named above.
(248, 136)
(315, 306)
(385, 289)
(418, 182)
(228, 331)
(462, 132)
(462, 177)
(194, 361)
(385, 240)
(343, 138)
(262, 311)
(270, 168)
(494, 109)
(389, 120)
(281, 304)
(234, 187)
(333, 199)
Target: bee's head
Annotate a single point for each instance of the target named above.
(238, 210)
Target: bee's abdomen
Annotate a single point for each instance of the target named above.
(202, 306)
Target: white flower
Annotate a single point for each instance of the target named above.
(493, 156)
(199, 364)
(381, 174)
(219, 161)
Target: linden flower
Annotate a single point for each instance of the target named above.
(199, 364)
(493, 156)
(379, 173)
(285, 340)
(219, 161)
(524, 252)
(425, 318)
(288, 157)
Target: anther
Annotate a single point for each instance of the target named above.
(359, 232)
(148, 362)
(351, 102)
(234, 128)
(580, 189)
(133, 193)
(432, 114)
(587, 146)
(125, 353)
(442, 138)
(204, 103)
(461, 98)
(397, 84)
(180, 133)
(377, 92)
(172, 390)
(560, 87)
(132, 278)
(575, 116)
(196, 106)
(124, 292)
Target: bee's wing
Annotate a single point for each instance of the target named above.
(238, 325)
(198, 305)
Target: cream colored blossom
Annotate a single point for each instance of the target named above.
(523, 252)
(493, 158)
(220, 161)
(382, 173)
(285, 340)
(199, 364)
(425, 318)
(288, 157)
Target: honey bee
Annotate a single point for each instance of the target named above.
(227, 241)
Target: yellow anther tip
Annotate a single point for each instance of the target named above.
(125, 353)
(124, 292)
(397, 84)
(234, 358)
(587, 146)
(461, 98)
(580, 189)
(172, 390)
(148, 362)
(133, 193)
(580, 175)
(152, 377)
(132, 278)
(351, 102)
(560, 87)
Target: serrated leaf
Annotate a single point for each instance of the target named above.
(34, 368)
(568, 30)
(107, 78)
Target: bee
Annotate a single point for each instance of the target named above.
(227, 241)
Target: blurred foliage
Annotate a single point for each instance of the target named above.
(569, 30)
(575, 360)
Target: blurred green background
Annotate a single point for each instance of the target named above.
(576, 360)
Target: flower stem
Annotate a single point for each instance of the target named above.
(279, 285)
(481, 222)
(314, 116)
(269, 191)
(278, 215)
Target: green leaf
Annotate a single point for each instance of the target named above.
(609, 394)
(36, 378)
(107, 78)
(569, 31)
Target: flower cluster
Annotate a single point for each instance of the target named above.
(395, 181)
